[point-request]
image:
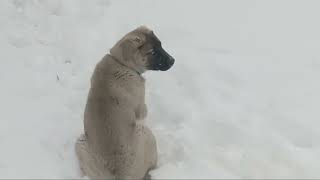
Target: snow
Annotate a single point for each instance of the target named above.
(241, 101)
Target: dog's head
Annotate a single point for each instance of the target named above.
(141, 50)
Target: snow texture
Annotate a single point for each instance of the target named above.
(242, 100)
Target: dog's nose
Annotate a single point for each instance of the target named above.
(171, 61)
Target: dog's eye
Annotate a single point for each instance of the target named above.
(152, 52)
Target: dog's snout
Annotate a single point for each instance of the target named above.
(163, 60)
(171, 61)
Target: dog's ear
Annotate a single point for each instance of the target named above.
(125, 48)
(136, 41)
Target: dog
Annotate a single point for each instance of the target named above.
(115, 145)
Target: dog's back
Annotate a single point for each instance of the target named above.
(113, 143)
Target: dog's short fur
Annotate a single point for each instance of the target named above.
(114, 144)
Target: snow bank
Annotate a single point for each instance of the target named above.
(240, 102)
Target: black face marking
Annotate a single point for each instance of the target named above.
(157, 57)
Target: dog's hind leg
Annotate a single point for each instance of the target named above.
(89, 164)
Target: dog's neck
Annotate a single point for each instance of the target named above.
(123, 64)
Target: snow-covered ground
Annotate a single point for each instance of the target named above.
(242, 100)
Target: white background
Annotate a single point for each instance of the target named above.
(242, 100)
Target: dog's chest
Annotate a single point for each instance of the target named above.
(129, 81)
(136, 88)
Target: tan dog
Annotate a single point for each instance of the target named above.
(114, 145)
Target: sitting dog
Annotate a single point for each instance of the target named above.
(114, 145)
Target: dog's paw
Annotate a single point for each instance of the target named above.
(147, 176)
(141, 112)
(82, 138)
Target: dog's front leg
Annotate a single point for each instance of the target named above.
(141, 111)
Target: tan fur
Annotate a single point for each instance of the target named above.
(114, 144)
(125, 50)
